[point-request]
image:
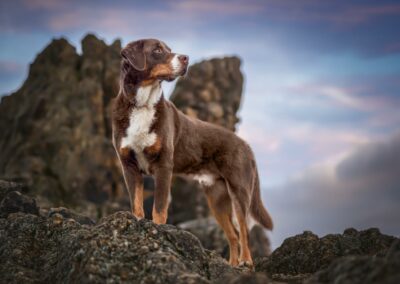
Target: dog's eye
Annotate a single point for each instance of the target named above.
(157, 50)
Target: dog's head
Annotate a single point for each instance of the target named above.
(153, 59)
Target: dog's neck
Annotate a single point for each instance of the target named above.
(148, 95)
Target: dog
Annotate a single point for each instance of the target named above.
(151, 136)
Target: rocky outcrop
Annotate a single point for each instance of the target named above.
(360, 269)
(56, 246)
(212, 237)
(303, 255)
(55, 129)
(211, 91)
(62, 247)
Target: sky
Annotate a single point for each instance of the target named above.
(321, 94)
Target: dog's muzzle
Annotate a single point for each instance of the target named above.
(180, 64)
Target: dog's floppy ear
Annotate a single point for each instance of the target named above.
(134, 53)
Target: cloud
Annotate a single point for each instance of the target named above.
(10, 68)
(374, 162)
(347, 97)
(339, 13)
(306, 25)
(361, 190)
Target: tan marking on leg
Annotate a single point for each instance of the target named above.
(136, 196)
(155, 148)
(221, 207)
(124, 152)
(138, 203)
(159, 217)
(245, 255)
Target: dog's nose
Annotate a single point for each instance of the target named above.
(184, 59)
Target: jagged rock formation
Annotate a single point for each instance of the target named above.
(47, 249)
(211, 91)
(58, 245)
(212, 237)
(55, 130)
(382, 268)
(303, 255)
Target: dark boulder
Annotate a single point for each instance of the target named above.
(302, 255)
(14, 202)
(361, 269)
(38, 249)
(56, 130)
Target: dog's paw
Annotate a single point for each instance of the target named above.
(246, 264)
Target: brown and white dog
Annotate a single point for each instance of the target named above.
(151, 136)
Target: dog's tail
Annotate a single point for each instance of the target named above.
(257, 209)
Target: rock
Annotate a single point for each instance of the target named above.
(118, 249)
(212, 237)
(57, 247)
(70, 214)
(188, 201)
(260, 245)
(7, 186)
(212, 89)
(56, 130)
(247, 278)
(302, 255)
(208, 232)
(14, 202)
(363, 269)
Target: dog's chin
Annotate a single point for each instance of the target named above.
(172, 77)
(183, 72)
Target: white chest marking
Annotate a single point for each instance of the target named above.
(138, 135)
(204, 179)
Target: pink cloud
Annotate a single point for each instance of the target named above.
(10, 66)
(351, 97)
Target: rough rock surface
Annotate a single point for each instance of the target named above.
(119, 248)
(60, 246)
(302, 255)
(211, 91)
(212, 237)
(383, 268)
(55, 130)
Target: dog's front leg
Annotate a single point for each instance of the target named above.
(134, 183)
(162, 177)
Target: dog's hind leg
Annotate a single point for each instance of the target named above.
(221, 207)
(241, 204)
